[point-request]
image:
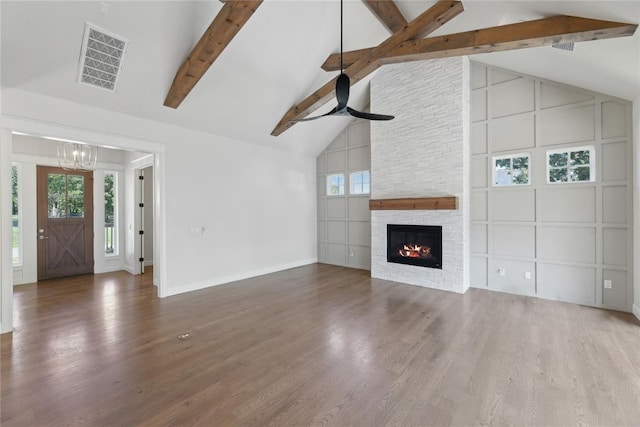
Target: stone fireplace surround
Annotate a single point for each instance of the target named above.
(423, 152)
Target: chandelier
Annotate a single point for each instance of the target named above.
(76, 156)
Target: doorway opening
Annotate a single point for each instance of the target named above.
(65, 222)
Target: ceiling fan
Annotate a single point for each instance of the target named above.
(343, 85)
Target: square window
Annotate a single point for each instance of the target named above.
(335, 185)
(360, 182)
(571, 165)
(511, 170)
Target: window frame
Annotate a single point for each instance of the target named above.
(116, 219)
(568, 151)
(20, 259)
(510, 157)
(351, 183)
(340, 185)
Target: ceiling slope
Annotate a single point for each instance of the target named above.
(216, 38)
(273, 62)
(429, 21)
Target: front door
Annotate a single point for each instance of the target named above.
(65, 222)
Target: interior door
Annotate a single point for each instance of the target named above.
(65, 222)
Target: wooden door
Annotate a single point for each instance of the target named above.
(65, 222)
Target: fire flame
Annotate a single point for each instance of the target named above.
(415, 251)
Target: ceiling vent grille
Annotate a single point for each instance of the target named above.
(101, 60)
(564, 46)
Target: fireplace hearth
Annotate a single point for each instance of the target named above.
(419, 245)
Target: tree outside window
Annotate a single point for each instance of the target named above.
(335, 185)
(110, 234)
(572, 165)
(15, 216)
(511, 170)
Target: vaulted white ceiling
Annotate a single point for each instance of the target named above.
(275, 60)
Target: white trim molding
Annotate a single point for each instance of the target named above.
(70, 133)
(240, 276)
(6, 259)
(9, 124)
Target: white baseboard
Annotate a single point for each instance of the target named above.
(130, 270)
(110, 269)
(2, 331)
(235, 277)
(148, 263)
(636, 311)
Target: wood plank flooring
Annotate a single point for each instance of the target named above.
(316, 345)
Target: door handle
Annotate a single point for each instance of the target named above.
(42, 237)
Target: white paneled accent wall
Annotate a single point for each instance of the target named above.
(424, 151)
(344, 226)
(557, 241)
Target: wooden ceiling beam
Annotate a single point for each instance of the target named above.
(388, 14)
(223, 28)
(541, 32)
(429, 21)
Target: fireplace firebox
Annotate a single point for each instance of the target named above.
(415, 245)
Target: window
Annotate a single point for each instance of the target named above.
(335, 185)
(571, 165)
(16, 226)
(65, 195)
(110, 213)
(511, 170)
(360, 182)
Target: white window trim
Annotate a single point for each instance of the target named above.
(351, 192)
(328, 185)
(568, 150)
(509, 156)
(116, 219)
(20, 261)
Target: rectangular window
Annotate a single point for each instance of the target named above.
(110, 213)
(360, 182)
(571, 165)
(335, 185)
(511, 170)
(16, 223)
(65, 195)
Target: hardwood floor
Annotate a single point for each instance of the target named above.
(318, 345)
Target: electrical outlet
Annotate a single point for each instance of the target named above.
(501, 272)
(607, 284)
(527, 275)
(351, 253)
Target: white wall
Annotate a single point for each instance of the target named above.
(222, 195)
(236, 210)
(344, 222)
(423, 152)
(636, 206)
(6, 272)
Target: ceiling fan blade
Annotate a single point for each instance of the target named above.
(308, 119)
(342, 90)
(368, 116)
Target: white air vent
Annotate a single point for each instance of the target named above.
(564, 46)
(101, 59)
